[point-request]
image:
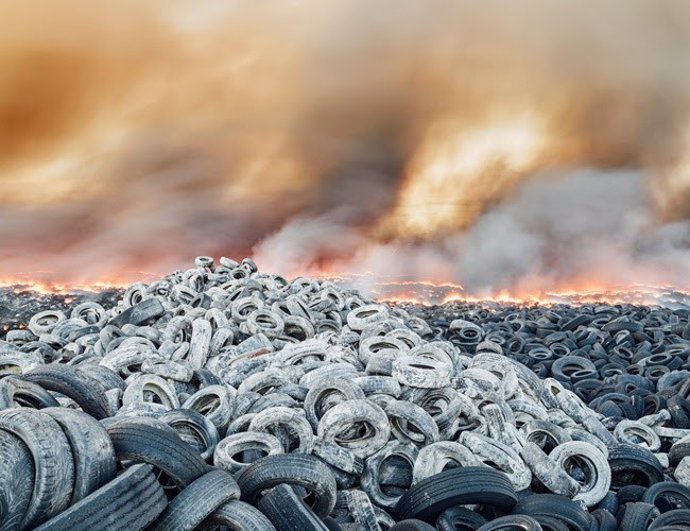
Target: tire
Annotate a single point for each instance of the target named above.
(16, 392)
(412, 525)
(239, 516)
(16, 481)
(197, 501)
(293, 469)
(459, 518)
(457, 486)
(342, 417)
(360, 509)
(638, 516)
(597, 483)
(631, 464)
(288, 512)
(162, 448)
(253, 443)
(605, 520)
(85, 390)
(194, 429)
(434, 458)
(130, 502)
(666, 495)
(405, 454)
(52, 459)
(215, 402)
(555, 507)
(513, 522)
(672, 518)
(92, 451)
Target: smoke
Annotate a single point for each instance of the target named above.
(497, 144)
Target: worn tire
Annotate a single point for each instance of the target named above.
(457, 486)
(197, 501)
(301, 470)
(16, 480)
(288, 512)
(162, 448)
(130, 502)
(52, 458)
(84, 389)
(92, 451)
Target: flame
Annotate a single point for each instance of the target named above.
(416, 292)
(25, 282)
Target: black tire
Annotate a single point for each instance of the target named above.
(672, 518)
(16, 392)
(633, 465)
(680, 411)
(162, 448)
(412, 525)
(196, 502)
(666, 495)
(293, 469)
(130, 502)
(16, 481)
(605, 520)
(92, 451)
(288, 512)
(84, 389)
(457, 486)
(678, 451)
(459, 519)
(52, 459)
(108, 378)
(555, 507)
(638, 516)
(512, 522)
(239, 516)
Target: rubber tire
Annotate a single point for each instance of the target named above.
(412, 525)
(459, 519)
(557, 507)
(513, 522)
(665, 489)
(130, 502)
(162, 448)
(52, 459)
(239, 516)
(92, 450)
(675, 517)
(16, 480)
(627, 459)
(196, 502)
(638, 516)
(294, 469)
(17, 392)
(288, 512)
(83, 388)
(456, 486)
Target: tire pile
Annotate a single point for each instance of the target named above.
(225, 398)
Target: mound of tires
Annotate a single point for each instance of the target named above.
(225, 398)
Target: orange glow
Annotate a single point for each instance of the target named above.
(47, 287)
(423, 292)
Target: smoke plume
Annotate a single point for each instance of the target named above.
(500, 145)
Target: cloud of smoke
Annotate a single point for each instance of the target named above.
(134, 136)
